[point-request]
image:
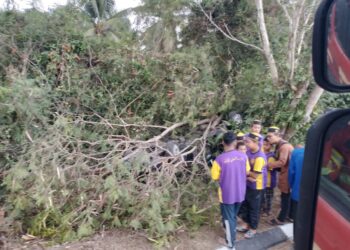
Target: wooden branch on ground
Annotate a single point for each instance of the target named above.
(121, 125)
(167, 131)
(173, 127)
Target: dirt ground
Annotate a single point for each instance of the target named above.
(288, 245)
(207, 237)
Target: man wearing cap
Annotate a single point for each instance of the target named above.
(230, 169)
(255, 185)
(282, 154)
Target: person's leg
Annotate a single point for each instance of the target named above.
(282, 210)
(291, 211)
(230, 214)
(294, 208)
(222, 215)
(254, 208)
(236, 208)
(243, 213)
(285, 203)
(254, 212)
(269, 198)
(263, 205)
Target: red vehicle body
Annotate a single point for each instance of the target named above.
(332, 226)
(337, 58)
(332, 230)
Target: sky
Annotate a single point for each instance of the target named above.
(46, 4)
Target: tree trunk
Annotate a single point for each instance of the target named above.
(299, 94)
(304, 29)
(297, 15)
(301, 90)
(289, 133)
(311, 103)
(266, 43)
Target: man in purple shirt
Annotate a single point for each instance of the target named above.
(230, 169)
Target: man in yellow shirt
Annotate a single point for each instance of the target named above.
(255, 185)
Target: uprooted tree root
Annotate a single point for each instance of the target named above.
(80, 177)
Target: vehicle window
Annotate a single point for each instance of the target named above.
(335, 172)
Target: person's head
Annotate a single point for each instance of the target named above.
(256, 127)
(229, 141)
(240, 137)
(252, 141)
(274, 135)
(267, 145)
(241, 147)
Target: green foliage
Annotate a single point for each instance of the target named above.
(333, 101)
(162, 18)
(70, 88)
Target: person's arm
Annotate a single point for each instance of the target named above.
(258, 167)
(291, 170)
(283, 157)
(271, 159)
(215, 171)
(247, 167)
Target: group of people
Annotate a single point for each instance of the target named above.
(248, 171)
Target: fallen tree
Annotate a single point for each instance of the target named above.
(66, 186)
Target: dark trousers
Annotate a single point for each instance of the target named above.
(285, 204)
(293, 212)
(229, 215)
(250, 209)
(293, 209)
(266, 200)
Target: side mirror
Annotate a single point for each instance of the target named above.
(331, 45)
(323, 212)
(323, 215)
